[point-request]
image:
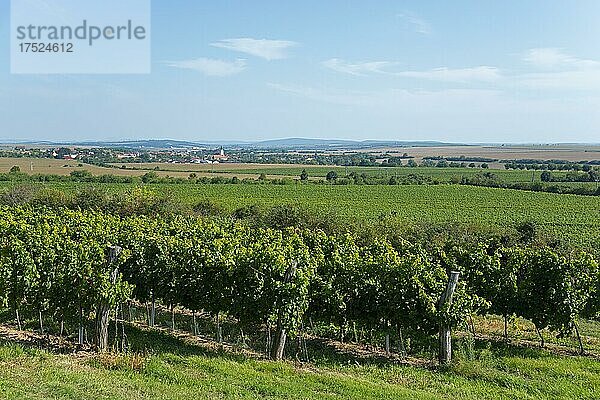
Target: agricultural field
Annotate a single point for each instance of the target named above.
(443, 203)
(575, 218)
(50, 166)
(218, 351)
(253, 171)
(175, 359)
(294, 171)
(328, 200)
(319, 172)
(571, 217)
(569, 152)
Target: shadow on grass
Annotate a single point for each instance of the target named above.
(498, 348)
(505, 349)
(162, 341)
(326, 352)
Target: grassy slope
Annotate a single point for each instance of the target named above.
(186, 367)
(181, 366)
(494, 374)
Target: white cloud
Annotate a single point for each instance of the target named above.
(560, 71)
(263, 48)
(359, 69)
(580, 80)
(479, 74)
(210, 66)
(417, 23)
(345, 98)
(390, 98)
(554, 58)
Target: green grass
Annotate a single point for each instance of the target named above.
(164, 366)
(493, 373)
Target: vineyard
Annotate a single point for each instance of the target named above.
(574, 219)
(130, 269)
(66, 268)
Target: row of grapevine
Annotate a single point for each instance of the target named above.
(551, 290)
(54, 264)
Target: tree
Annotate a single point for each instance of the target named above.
(331, 176)
(304, 175)
(150, 177)
(546, 176)
(145, 157)
(528, 231)
(62, 152)
(207, 207)
(81, 175)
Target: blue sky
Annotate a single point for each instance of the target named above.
(460, 71)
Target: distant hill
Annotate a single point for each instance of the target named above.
(144, 144)
(304, 143)
(289, 143)
(129, 144)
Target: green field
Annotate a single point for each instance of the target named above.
(441, 174)
(253, 171)
(569, 216)
(576, 218)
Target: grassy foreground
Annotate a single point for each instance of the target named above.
(491, 371)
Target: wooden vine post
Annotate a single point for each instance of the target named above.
(445, 354)
(103, 310)
(281, 335)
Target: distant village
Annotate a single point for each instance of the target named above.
(181, 156)
(197, 155)
(110, 155)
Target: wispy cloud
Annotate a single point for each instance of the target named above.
(464, 75)
(359, 68)
(416, 23)
(345, 98)
(554, 58)
(560, 71)
(444, 74)
(579, 80)
(263, 48)
(384, 98)
(210, 66)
